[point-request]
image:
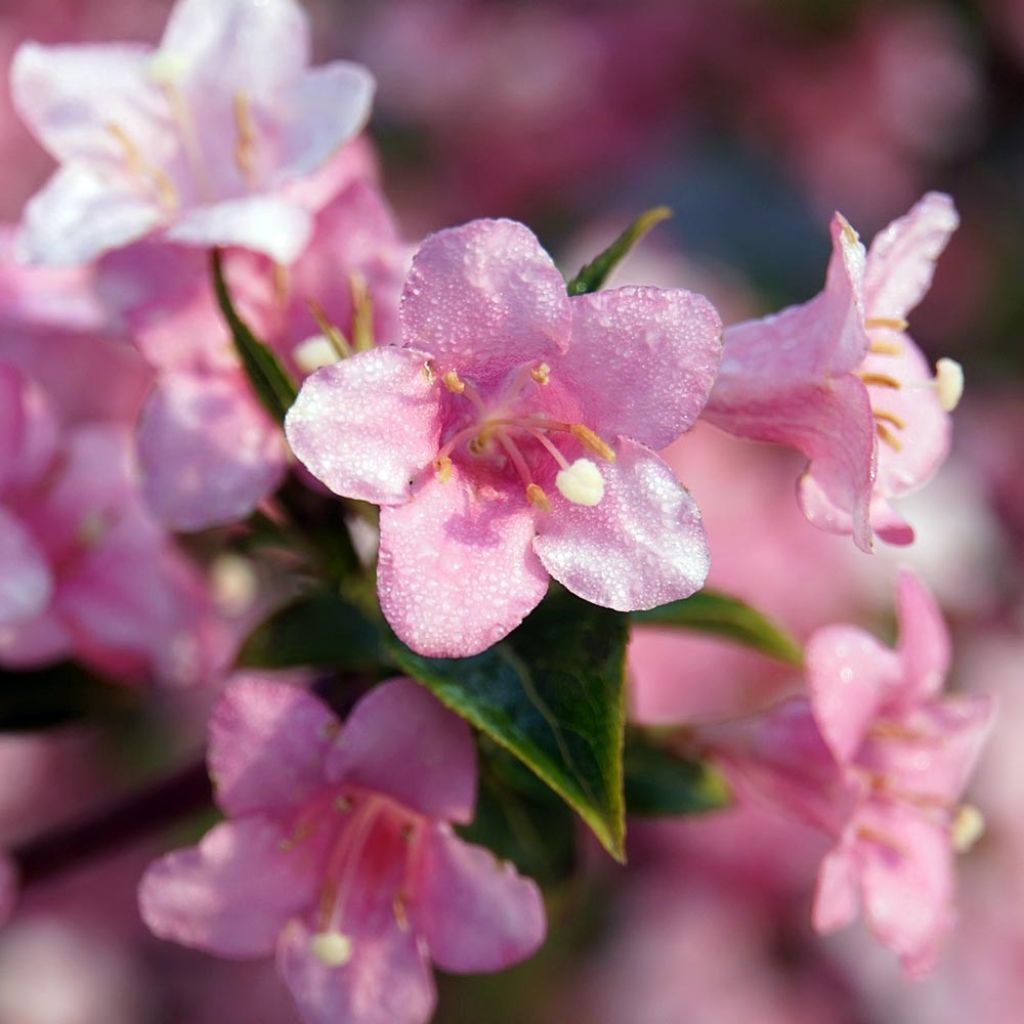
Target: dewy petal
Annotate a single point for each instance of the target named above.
(924, 646)
(483, 298)
(402, 741)
(901, 260)
(369, 425)
(850, 675)
(233, 893)
(642, 361)
(209, 453)
(265, 224)
(457, 571)
(77, 216)
(641, 546)
(836, 897)
(386, 981)
(26, 585)
(476, 913)
(268, 744)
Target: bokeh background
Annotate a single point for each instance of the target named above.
(753, 120)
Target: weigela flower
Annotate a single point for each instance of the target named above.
(509, 437)
(839, 379)
(339, 854)
(205, 139)
(910, 751)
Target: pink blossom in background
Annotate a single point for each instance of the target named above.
(339, 854)
(839, 379)
(476, 437)
(202, 139)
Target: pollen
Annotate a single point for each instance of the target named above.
(886, 435)
(581, 483)
(590, 440)
(536, 496)
(314, 353)
(541, 374)
(888, 322)
(443, 468)
(968, 827)
(949, 382)
(453, 382)
(883, 347)
(331, 948)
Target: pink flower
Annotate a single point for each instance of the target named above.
(203, 139)
(911, 752)
(839, 379)
(339, 854)
(510, 438)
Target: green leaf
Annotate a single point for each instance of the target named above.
(273, 385)
(661, 782)
(320, 630)
(594, 274)
(552, 694)
(711, 612)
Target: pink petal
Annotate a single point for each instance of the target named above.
(402, 741)
(268, 744)
(26, 585)
(476, 914)
(924, 646)
(77, 216)
(209, 453)
(850, 676)
(836, 897)
(901, 260)
(12, 421)
(387, 980)
(233, 893)
(262, 223)
(40, 641)
(642, 361)
(369, 425)
(457, 571)
(485, 297)
(641, 546)
(8, 888)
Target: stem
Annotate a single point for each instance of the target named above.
(144, 811)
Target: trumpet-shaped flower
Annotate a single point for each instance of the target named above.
(910, 751)
(206, 139)
(839, 379)
(510, 437)
(339, 854)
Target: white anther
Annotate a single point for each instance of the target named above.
(314, 353)
(581, 483)
(968, 827)
(333, 949)
(234, 583)
(949, 382)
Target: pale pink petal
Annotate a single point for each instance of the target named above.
(641, 546)
(262, 223)
(386, 981)
(850, 675)
(457, 571)
(901, 260)
(208, 451)
(77, 216)
(233, 893)
(476, 913)
(268, 743)
(402, 741)
(642, 361)
(924, 645)
(485, 297)
(369, 425)
(26, 585)
(836, 897)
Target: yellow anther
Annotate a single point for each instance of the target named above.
(362, 312)
(888, 437)
(968, 827)
(949, 382)
(167, 194)
(333, 949)
(453, 382)
(892, 323)
(881, 347)
(541, 373)
(398, 907)
(245, 145)
(890, 417)
(849, 234)
(443, 468)
(590, 440)
(282, 284)
(536, 496)
(880, 380)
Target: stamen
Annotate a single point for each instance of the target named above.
(282, 284)
(189, 138)
(443, 468)
(888, 437)
(245, 146)
(949, 382)
(534, 492)
(453, 382)
(167, 194)
(537, 496)
(362, 313)
(331, 948)
(889, 730)
(883, 347)
(398, 908)
(581, 483)
(849, 234)
(891, 323)
(541, 374)
(881, 380)
(590, 440)
(890, 417)
(331, 331)
(549, 446)
(968, 827)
